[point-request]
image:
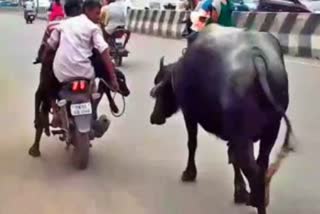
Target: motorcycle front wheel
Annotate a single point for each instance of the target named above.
(118, 60)
(81, 142)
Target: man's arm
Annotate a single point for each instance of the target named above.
(51, 45)
(100, 44)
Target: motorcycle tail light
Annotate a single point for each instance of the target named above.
(78, 86)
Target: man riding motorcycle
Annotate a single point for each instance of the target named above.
(48, 81)
(28, 7)
(72, 8)
(209, 11)
(113, 15)
(73, 41)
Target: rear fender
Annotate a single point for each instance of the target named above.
(83, 123)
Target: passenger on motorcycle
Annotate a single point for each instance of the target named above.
(210, 11)
(56, 11)
(72, 8)
(74, 40)
(113, 15)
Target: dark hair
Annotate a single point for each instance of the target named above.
(72, 8)
(57, 2)
(90, 4)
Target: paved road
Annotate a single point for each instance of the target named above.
(136, 167)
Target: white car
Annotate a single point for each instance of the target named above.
(312, 5)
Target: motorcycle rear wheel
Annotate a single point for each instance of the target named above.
(81, 142)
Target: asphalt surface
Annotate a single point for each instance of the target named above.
(135, 168)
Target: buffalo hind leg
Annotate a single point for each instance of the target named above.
(190, 173)
(241, 195)
(37, 105)
(244, 157)
(34, 150)
(267, 142)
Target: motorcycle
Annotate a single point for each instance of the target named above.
(30, 16)
(117, 45)
(75, 118)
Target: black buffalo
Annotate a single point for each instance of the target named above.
(234, 84)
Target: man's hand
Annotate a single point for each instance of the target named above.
(115, 85)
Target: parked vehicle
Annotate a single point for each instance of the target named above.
(282, 6)
(273, 5)
(4, 3)
(312, 5)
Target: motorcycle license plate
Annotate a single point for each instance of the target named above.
(81, 109)
(119, 40)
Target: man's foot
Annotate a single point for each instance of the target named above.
(101, 125)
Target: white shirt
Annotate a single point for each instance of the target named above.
(76, 37)
(29, 6)
(117, 13)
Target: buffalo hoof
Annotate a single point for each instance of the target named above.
(114, 108)
(47, 131)
(34, 152)
(241, 197)
(37, 123)
(253, 201)
(188, 176)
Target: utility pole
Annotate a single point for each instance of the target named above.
(37, 9)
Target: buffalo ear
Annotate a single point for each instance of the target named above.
(155, 90)
(161, 71)
(161, 63)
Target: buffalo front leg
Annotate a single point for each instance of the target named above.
(190, 173)
(97, 101)
(266, 144)
(113, 106)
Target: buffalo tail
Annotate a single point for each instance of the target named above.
(261, 65)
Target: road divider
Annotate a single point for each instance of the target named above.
(163, 23)
(298, 33)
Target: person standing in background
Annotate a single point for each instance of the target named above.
(113, 15)
(57, 12)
